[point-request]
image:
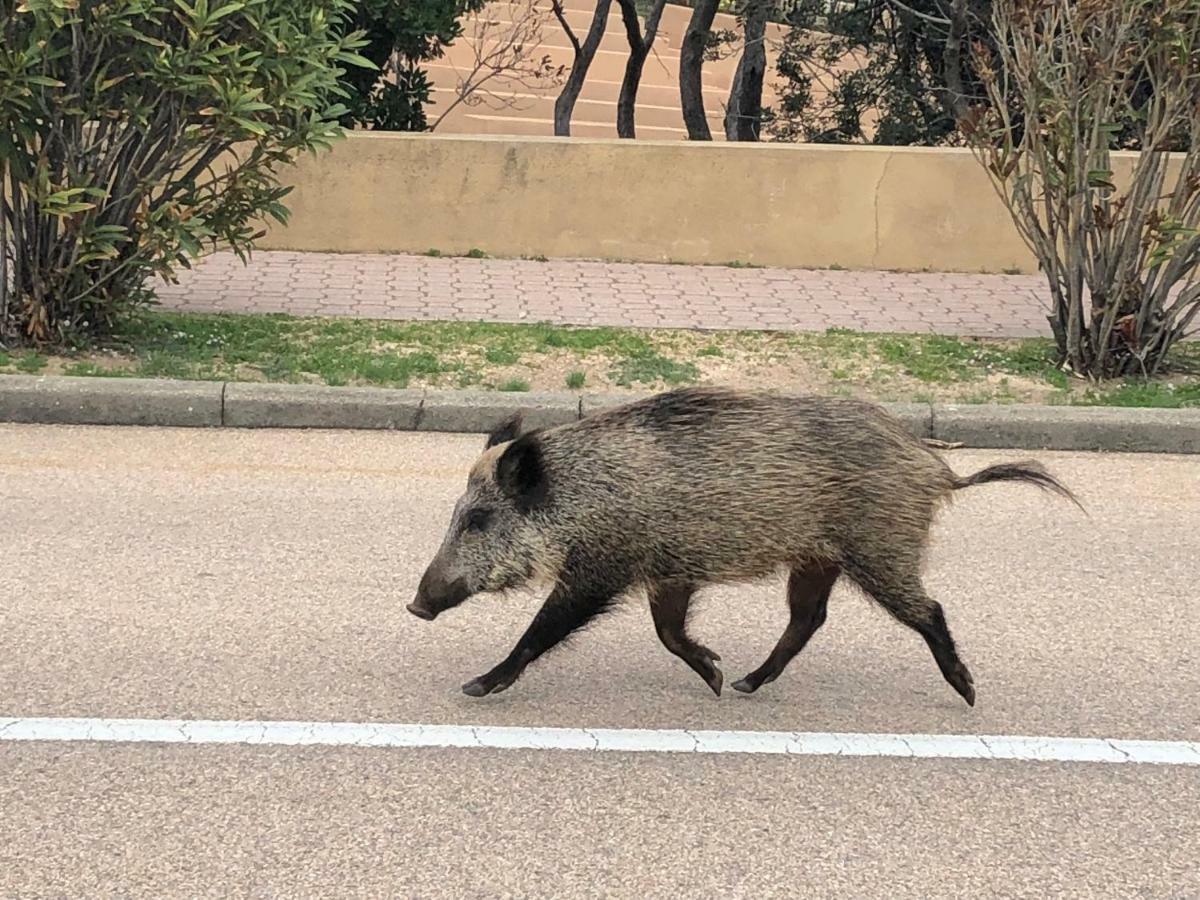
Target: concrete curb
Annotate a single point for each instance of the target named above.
(126, 401)
(314, 406)
(110, 401)
(1115, 429)
(480, 411)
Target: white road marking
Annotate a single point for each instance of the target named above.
(629, 740)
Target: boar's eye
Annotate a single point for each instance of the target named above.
(478, 519)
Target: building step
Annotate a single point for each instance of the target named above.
(532, 106)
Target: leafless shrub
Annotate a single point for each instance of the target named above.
(506, 67)
(1072, 81)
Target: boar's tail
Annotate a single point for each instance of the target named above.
(1030, 472)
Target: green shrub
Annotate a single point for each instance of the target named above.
(136, 133)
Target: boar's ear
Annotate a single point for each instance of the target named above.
(521, 473)
(507, 430)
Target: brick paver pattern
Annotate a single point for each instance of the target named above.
(599, 293)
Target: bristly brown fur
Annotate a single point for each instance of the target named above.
(708, 485)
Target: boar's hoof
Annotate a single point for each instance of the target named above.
(475, 688)
(491, 683)
(715, 680)
(744, 687)
(966, 688)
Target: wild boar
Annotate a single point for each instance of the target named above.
(701, 486)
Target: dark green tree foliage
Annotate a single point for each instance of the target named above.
(912, 70)
(411, 32)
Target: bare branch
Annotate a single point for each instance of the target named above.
(1120, 244)
(915, 13)
(504, 37)
(557, 8)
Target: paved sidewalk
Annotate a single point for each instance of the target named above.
(599, 293)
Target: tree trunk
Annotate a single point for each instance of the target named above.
(691, 65)
(956, 100)
(627, 102)
(3, 252)
(639, 50)
(743, 116)
(564, 106)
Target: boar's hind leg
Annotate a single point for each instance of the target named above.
(569, 606)
(904, 597)
(808, 596)
(669, 607)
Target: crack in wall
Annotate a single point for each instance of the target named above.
(875, 194)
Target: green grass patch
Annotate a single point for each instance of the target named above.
(167, 365)
(651, 368)
(938, 359)
(91, 370)
(282, 348)
(1164, 395)
(626, 342)
(29, 363)
(501, 356)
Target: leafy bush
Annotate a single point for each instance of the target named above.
(399, 35)
(1121, 250)
(135, 133)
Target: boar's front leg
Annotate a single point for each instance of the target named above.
(570, 606)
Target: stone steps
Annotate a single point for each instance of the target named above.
(531, 111)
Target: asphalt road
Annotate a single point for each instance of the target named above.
(263, 576)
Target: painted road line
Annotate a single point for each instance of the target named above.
(629, 740)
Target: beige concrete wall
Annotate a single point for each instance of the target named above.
(770, 204)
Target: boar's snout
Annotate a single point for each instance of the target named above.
(436, 594)
(421, 612)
